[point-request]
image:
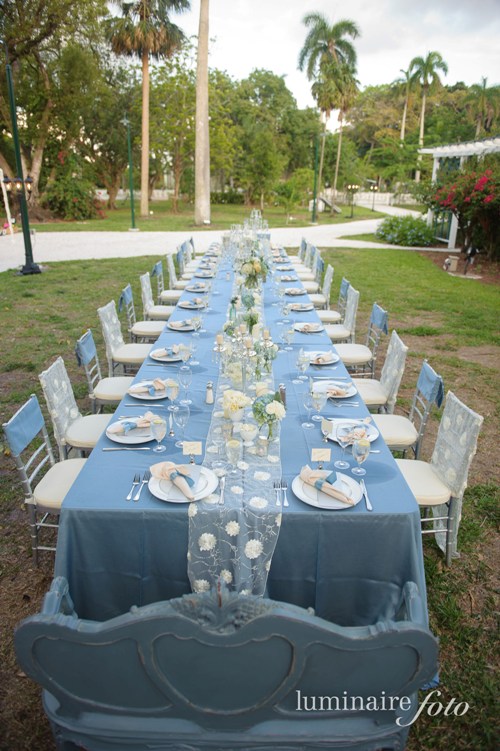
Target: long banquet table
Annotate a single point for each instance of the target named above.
(349, 565)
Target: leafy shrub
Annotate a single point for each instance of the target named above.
(228, 196)
(71, 197)
(405, 230)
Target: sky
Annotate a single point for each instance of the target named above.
(269, 34)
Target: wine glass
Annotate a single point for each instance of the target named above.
(181, 416)
(287, 335)
(184, 352)
(309, 405)
(326, 429)
(234, 453)
(219, 466)
(185, 376)
(158, 431)
(319, 401)
(360, 451)
(344, 438)
(172, 392)
(195, 338)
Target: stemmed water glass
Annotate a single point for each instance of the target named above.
(344, 438)
(172, 392)
(158, 431)
(302, 364)
(185, 376)
(319, 401)
(181, 416)
(195, 337)
(287, 334)
(309, 405)
(360, 451)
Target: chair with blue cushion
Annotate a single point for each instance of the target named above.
(221, 671)
(45, 481)
(406, 433)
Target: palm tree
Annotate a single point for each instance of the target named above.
(202, 148)
(406, 81)
(328, 57)
(425, 71)
(145, 30)
(347, 91)
(485, 104)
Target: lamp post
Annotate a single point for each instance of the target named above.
(352, 188)
(20, 184)
(373, 189)
(126, 122)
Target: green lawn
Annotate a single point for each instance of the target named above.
(222, 217)
(449, 320)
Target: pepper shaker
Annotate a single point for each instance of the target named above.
(282, 390)
(209, 393)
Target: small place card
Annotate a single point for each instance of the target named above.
(191, 448)
(321, 455)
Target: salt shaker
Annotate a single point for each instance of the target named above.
(209, 393)
(282, 390)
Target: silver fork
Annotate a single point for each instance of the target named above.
(135, 483)
(276, 486)
(146, 478)
(284, 488)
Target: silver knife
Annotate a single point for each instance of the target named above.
(369, 506)
(222, 488)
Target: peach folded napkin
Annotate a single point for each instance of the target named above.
(158, 384)
(180, 324)
(324, 481)
(125, 426)
(309, 328)
(294, 291)
(336, 391)
(178, 474)
(322, 359)
(301, 306)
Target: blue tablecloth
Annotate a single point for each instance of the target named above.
(348, 565)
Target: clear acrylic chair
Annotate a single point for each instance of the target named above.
(345, 332)
(152, 312)
(403, 433)
(102, 391)
(331, 315)
(164, 296)
(139, 331)
(128, 356)
(308, 275)
(45, 482)
(174, 282)
(322, 299)
(382, 394)
(360, 359)
(72, 430)
(439, 485)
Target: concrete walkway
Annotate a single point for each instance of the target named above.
(72, 246)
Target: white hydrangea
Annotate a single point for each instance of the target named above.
(276, 409)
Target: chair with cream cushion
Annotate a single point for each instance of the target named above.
(345, 332)
(174, 282)
(382, 394)
(164, 296)
(72, 430)
(361, 358)
(322, 299)
(403, 433)
(128, 356)
(102, 391)
(440, 484)
(336, 316)
(140, 331)
(152, 312)
(31, 450)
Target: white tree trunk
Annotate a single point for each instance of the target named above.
(202, 149)
(421, 137)
(145, 137)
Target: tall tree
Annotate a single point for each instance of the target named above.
(145, 30)
(202, 149)
(484, 102)
(425, 70)
(329, 59)
(347, 90)
(405, 82)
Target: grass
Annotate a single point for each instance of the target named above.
(162, 218)
(451, 321)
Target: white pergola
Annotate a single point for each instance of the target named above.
(459, 151)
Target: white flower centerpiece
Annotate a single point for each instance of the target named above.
(254, 268)
(269, 410)
(234, 403)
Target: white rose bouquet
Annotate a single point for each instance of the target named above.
(233, 401)
(269, 410)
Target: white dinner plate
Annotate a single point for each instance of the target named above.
(301, 307)
(196, 288)
(165, 490)
(164, 358)
(186, 327)
(300, 327)
(191, 305)
(204, 274)
(314, 497)
(134, 436)
(297, 292)
(325, 385)
(146, 396)
(313, 355)
(284, 268)
(371, 431)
